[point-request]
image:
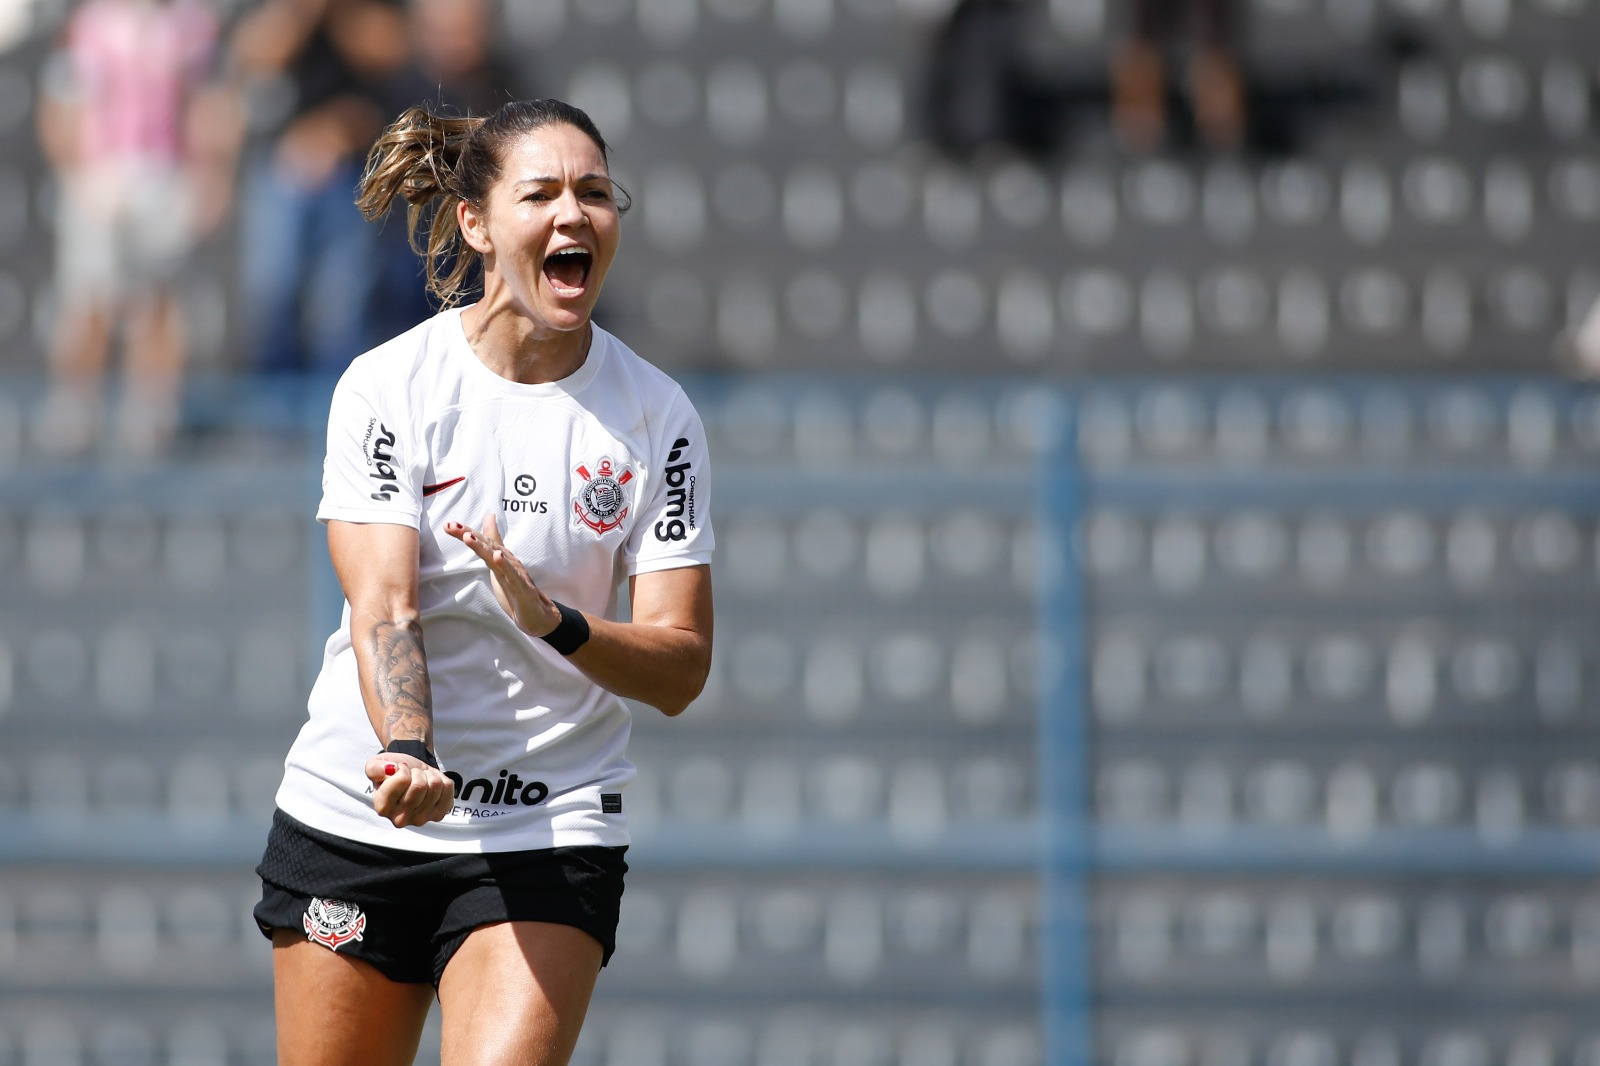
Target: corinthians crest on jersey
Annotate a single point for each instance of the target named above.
(602, 501)
(334, 922)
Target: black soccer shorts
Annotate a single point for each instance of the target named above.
(407, 912)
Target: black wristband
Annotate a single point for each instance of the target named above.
(414, 748)
(571, 633)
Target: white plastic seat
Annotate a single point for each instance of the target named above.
(673, 202)
(1564, 96)
(1178, 554)
(1461, 420)
(1437, 190)
(1025, 316)
(816, 304)
(1266, 676)
(1558, 679)
(805, 92)
(718, 1043)
(813, 207)
(824, 429)
(53, 550)
(736, 103)
(1446, 310)
(1192, 668)
(1366, 203)
(1303, 314)
(887, 316)
(747, 319)
(1400, 543)
(1228, 204)
(803, 20)
(1375, 300)
(1280, 792)
(58, 664)
(194, 665)
(121, 1041)
(1486, 669)
(771, 795)
(989, 789)
(874, 105)
(998, 938)
(847, 788)
(1132, 792)
(1118, 677)
(1292, 953)
(126, 930)
(1522, 299)
(678, 306)
(1303, 1047)
(701, 789)
(1494, 88)
(834, 683)
(1234, 301)
(1166, 314)
(1172, 420)
(1142, 939)
(1097, 302)
(952, 208)
(668, 23)
(1424, 100)
(927, 1042)
(1159, 193)
(1486, 18)
(1220, 923)
(1367, 927)
(1252, 544)
(744, 196)
(1088, 207)
(763, 667)
(1426, 794)
(881, 194)
(852, 939)
(601, 89)
(1019, 194)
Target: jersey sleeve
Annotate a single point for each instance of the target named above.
(371, 472)
(675, 521)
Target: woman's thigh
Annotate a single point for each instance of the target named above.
(333, 1010)
(517, 992)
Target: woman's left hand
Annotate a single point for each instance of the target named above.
(533, 612)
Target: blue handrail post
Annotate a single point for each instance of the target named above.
(1063, 738)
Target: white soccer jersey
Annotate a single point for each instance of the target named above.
(592, 478)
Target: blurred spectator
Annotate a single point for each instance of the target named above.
(983, 86)
(454, 70)
(1216, 82)
(315, 72)
(128, 123)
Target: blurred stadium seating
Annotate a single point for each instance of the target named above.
(1156, 597)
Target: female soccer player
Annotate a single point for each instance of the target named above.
(491, 478)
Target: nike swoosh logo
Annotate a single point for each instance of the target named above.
(429, 490)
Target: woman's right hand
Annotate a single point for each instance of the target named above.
(408, 791)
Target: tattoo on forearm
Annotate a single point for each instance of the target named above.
(400, 678)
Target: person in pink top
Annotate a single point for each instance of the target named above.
(142, 171)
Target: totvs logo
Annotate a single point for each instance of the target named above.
(680, 495)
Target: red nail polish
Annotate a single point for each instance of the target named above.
(388, 769)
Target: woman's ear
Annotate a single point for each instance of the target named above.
(471, 223)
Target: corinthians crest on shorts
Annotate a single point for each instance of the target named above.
(333, 922)
(602, 501)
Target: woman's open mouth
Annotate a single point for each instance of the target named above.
(568, 270)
